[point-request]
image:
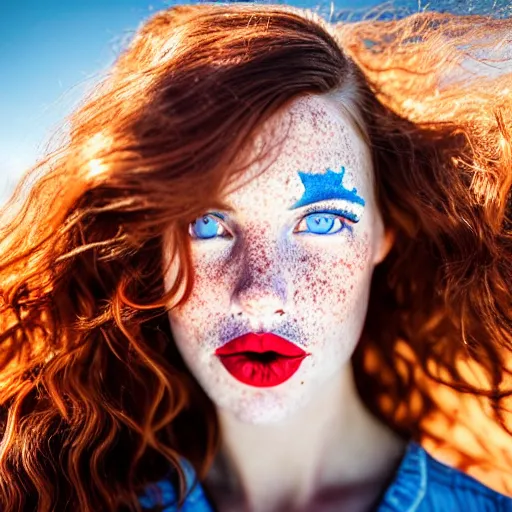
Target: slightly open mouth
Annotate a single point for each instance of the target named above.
(262, 357)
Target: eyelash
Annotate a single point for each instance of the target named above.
(346, 215)
(347, 219)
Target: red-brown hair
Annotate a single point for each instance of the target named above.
(95, 399)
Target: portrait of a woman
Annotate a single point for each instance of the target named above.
(269, 269)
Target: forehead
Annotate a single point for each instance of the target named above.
(319, 137)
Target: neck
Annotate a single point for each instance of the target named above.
(331, 446)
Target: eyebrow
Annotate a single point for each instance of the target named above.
(320, 187)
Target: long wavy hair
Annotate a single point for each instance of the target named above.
(95, 401)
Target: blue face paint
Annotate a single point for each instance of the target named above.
(320, 187)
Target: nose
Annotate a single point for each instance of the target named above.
(261, 290)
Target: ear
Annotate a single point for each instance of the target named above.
(386, 242)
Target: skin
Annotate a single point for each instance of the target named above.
(266, 273)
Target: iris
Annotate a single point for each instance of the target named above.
(321, 224)
(205, 227)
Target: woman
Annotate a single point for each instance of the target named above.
(271, 264)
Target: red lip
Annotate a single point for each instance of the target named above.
(261, 359)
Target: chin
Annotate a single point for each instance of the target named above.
(262, 417)
(265, 407)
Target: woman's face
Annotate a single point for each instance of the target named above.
(293, 260)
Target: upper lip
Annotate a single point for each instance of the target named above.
(260, 343)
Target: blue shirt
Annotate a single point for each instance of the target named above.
(421, 484)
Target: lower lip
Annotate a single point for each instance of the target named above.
(261, 374)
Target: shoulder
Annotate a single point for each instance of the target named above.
(423, 484)
(163, 496)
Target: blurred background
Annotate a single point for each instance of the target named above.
(53, 51)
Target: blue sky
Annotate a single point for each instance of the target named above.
(52, 51)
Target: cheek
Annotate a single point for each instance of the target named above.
(330, 280)
(209, 301)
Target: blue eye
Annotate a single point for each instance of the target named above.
(319, 224)
(324, 224)
(206, 227)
